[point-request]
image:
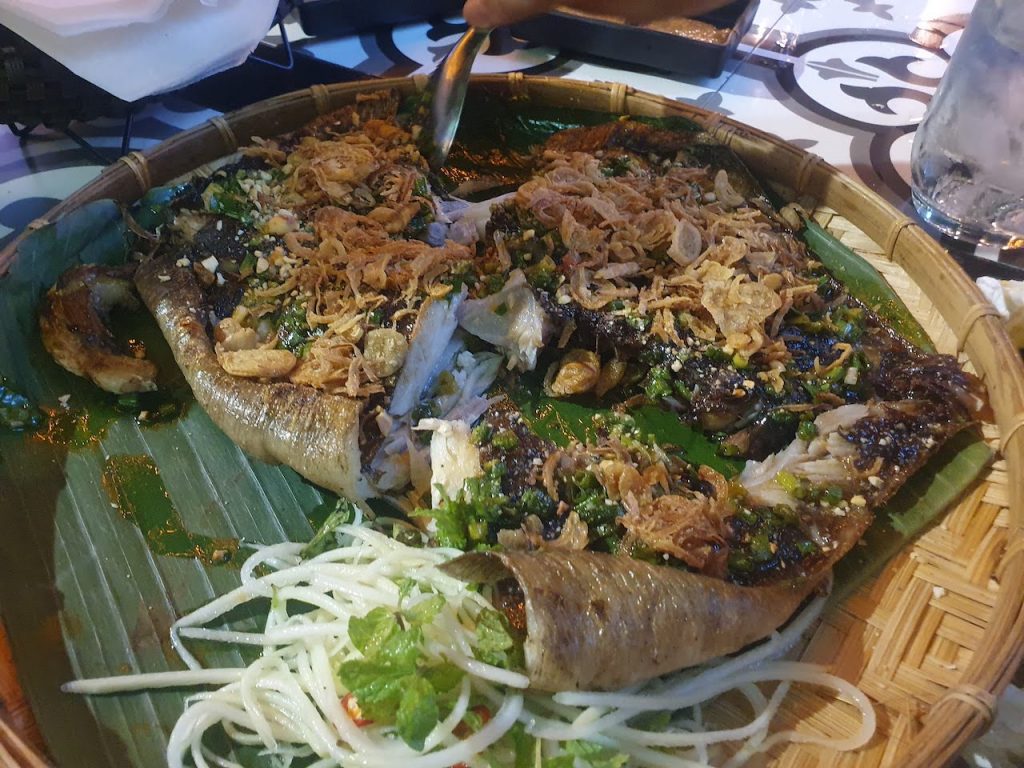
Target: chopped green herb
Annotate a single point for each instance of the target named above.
(658, 383)
(543, 275)
(446, 384)
(619, 165)
(481, 434)
(248, 266)
(505, 440)
(494, 283)
(536, 502)
(294, 332)
(227, 198)
(806, 430)
(479, 503)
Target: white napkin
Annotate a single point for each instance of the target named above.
(183, 42)
(73, 17)
(1007, 296)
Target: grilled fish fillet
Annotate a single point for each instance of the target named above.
(313, 432)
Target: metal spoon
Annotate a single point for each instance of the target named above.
(448, 84)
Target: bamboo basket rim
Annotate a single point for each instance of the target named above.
(965, 708)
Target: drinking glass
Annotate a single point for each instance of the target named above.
(967, 164)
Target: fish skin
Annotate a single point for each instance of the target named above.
(601, 622)
(313, 432)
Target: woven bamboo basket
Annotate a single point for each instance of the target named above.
(939, 633)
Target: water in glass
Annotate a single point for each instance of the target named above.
(968, 157)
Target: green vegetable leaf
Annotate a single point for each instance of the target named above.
(955, 468)
(417, 713)
(405, 588)
(651, 721)
(425, 611)
(370, 632)
(401, 651)
(595, 755)
(493, 641)
(450, 523)
(865, 283)
(524, 746)
(377, 688)
(325, 538)
(925, 496)
(565, 421)
(694, 446)
(462, 520)
(444, 677)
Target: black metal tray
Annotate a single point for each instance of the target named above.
(639, 45)
(346, 17)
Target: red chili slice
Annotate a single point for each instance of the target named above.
(462, 730)
(351, 707)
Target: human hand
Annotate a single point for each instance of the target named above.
(496, 13)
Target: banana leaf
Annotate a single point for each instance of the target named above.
(865, 283)
(83, 591)
(563, 422)
(914, 508)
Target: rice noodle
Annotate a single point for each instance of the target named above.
(289, 702)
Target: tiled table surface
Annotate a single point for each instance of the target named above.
(846, 79)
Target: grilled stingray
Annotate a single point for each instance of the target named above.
(332, 312)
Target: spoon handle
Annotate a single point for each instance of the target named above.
(450, 82)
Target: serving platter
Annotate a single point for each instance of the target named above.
(932, 639)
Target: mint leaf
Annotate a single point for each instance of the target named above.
(562, 761)
(372, 631)
(405, 588)
(444, 677)
(417, 713)
(402, 650)
(377, 688)
(425, 611)
(595, 755)
(449, 523)
(493, 641)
